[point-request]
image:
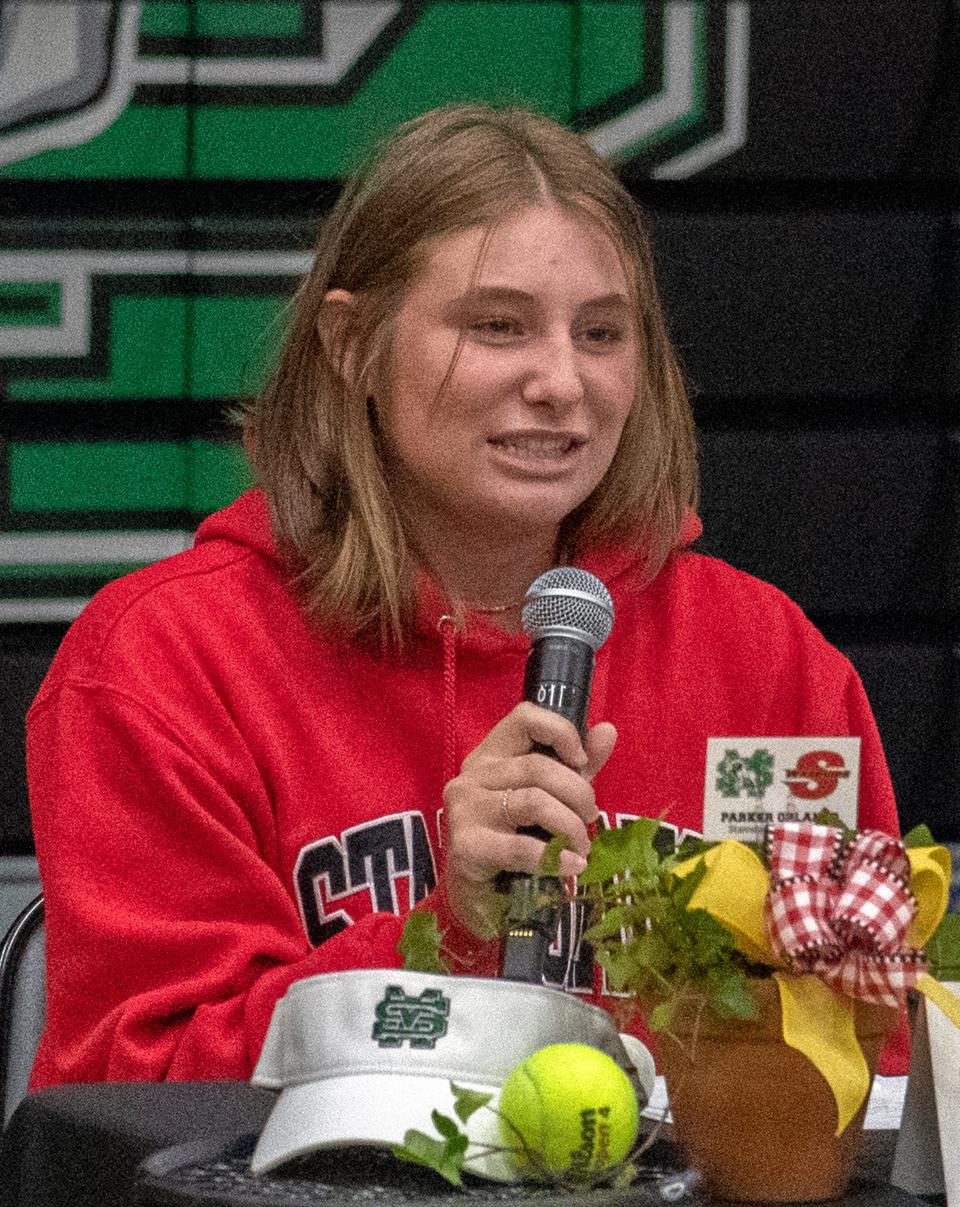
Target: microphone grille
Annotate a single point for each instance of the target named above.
(568, 599)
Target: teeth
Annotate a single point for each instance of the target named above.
(538, 445)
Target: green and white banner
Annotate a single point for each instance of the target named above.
(124, 340)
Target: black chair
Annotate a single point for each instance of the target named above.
(22, 1002)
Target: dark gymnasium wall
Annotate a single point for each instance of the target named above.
(162, 165)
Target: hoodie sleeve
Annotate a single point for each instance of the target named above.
(877, 805)
(169, 935)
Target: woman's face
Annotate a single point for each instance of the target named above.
(546, 374)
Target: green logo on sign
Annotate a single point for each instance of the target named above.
(736, 773)
(422, 1020)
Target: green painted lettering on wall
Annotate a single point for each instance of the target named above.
(29, 303)
(156, 326)
(196, 476)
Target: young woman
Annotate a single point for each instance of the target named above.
(248, 762)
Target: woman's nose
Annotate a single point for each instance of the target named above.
(554, 378)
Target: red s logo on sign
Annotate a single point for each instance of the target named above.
(816, 774)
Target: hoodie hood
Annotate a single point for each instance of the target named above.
(247, 524)
(478, 639)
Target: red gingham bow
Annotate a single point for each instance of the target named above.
(842, 912)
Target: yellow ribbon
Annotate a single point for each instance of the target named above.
(817, 1021)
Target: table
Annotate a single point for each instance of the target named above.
(82, 1145)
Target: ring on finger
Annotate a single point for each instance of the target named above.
(505, 808)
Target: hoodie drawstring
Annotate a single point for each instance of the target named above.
(451, 738)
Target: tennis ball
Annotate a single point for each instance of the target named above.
(570, 1110)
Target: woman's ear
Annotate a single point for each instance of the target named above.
(335, 327)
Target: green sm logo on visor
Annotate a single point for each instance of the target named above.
(422, 1020)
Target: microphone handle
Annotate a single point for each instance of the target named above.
(558, 675)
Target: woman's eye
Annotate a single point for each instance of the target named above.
(496, 327)
(604, 333)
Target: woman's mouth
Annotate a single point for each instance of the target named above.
(537, 447)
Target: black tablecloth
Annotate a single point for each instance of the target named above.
(85, 1145)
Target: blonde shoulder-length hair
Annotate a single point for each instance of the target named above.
(313, 433)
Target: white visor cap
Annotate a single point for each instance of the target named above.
(361, 1056)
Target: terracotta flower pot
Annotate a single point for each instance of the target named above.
(754, 1115)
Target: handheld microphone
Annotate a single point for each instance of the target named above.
(568, 615)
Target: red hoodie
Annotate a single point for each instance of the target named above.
(225, 801)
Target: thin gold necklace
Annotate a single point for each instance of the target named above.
(493, 609)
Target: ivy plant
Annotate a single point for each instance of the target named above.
(648, 940)
(448, 1152)
(943, 946)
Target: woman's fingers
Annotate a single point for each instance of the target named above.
(540, 790)
(506, 786)
(536, 778)
(534, 807)
(504, 759)
(484, 824)
(522, 853)
(476, 812)
(599, 744)
(528, 725)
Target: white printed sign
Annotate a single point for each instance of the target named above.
(752, 783)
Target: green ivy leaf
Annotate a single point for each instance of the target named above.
(549, 864)
(693, 845)
(687, 885)
(826, 817)
(919, 836)
(611, 924)
(729, 994)
(710, 939)
(421, 1149)
(446, 1126)
(420, 943)
(652, 950)
(943, 950)
(616, 850)
(660, 1016)
(467, 1102)
(625, 1176)
(620, 966)
(638, 964)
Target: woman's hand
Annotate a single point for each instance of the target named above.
(504, 785)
